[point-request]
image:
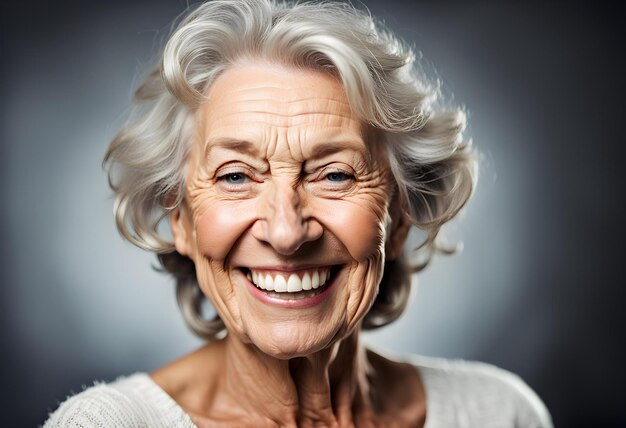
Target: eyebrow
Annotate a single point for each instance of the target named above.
(325, 149)
(237, 145)
(318, 151)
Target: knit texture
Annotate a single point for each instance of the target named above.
(463, 394)
(131, 402)
(459, 394)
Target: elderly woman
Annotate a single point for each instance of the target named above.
(292, 147)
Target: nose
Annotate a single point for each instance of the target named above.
(282, 223)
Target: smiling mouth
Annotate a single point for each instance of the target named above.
(292, 285)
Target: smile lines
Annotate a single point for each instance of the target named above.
(295, 282)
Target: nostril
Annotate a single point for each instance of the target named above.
(287, 238)
(286, 234)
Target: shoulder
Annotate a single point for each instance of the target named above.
(133, 401)
(479, 393)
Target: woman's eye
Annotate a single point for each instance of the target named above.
(234, 178)
(338, 177)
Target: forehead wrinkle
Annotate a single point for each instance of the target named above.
(251, 91)
(277, 111)
(281, 109)
(261, 115)
(283, 105)
(288, 115)
(287, 96)
(280, 106)
(302, 141)
(271, 141)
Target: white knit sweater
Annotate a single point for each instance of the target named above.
(459, 394)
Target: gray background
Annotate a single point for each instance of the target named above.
(537, 289)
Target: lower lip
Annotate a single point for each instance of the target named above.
(304, 302)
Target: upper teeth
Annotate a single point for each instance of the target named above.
(291, 283)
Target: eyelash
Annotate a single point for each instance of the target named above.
(230, 175)
(235, 179)
(238, 180)
(344, 175)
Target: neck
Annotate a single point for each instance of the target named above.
(328, 387)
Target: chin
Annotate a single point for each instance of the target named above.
(292, 339)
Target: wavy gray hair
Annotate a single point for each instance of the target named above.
(434, 168)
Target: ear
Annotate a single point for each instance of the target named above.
(399, 230)
(182, 230)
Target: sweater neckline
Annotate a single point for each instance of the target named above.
(174, 414)
(171, 413)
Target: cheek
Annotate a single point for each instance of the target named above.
(220, 225)
(358, 227)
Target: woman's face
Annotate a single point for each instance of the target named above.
(284, 191)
